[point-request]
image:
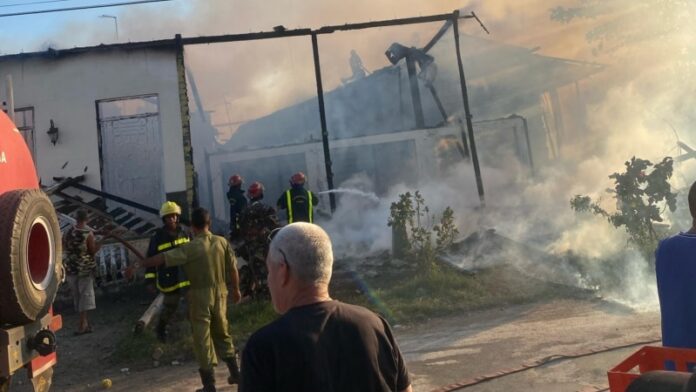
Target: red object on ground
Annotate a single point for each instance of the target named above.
(647, 359)
(16, 166)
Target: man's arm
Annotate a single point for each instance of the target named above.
(171, 258)
(282, 202)
(92, 245)
(231, 263)
(257, 371)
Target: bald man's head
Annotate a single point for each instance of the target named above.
(307, 250)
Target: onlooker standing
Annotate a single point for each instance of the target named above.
(80, 266)
(319, 344)
(675, 265)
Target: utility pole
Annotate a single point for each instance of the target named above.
(115, 22)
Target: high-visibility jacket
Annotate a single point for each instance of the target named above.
(167, 279)
(299, 203)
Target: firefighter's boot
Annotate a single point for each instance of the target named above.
(208, 380)
(234, 371)
(161, 331)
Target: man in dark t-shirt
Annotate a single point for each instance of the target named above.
(318, 344)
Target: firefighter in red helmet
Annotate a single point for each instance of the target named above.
(298, 201)
(237, 200)
(256, 222)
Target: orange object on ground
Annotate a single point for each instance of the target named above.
(647, 359)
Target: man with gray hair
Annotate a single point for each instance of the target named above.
(318, 344)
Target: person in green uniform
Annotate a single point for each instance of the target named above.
(209, 264)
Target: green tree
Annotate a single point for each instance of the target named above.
(640, 200)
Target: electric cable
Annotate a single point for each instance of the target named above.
(33, 2)
(81, 7)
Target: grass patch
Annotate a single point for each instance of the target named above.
(401, 295)
(248, 317)
(244, 319)
(412, 295)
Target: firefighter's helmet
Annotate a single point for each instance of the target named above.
(169, 208)
(255, 190)
(236, 180)
(298, 179)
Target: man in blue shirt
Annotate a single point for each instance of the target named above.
(675, 268)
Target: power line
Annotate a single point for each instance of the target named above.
(33, 2)
(81, 8)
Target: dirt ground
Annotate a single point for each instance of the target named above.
(438, 352)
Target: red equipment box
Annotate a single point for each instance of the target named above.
(647, 359)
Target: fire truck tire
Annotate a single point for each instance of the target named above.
(30, 256)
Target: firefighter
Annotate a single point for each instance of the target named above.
(237, 200)
(170, 281)
(255, 224)
(210, 265)
(298, 201)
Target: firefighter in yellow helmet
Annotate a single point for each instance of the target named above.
(170, 281)
(210, 265)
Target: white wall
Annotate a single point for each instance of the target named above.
(66, 88)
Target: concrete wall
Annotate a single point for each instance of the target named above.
(66, 89)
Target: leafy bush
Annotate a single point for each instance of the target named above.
(641, 199)
(414, 226)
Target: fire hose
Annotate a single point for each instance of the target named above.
(470, 382)
(156, 306)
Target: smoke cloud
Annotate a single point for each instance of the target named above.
(640, 104)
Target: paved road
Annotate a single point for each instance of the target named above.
(448, 351)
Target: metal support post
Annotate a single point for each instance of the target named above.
(415, 93)
(322, 119)
(467, 110)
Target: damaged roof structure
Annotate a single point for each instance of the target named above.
(378, 108)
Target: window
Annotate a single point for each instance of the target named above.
(128, 107)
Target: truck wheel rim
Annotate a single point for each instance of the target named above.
(40, 257)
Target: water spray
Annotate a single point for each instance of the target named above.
(355, 192)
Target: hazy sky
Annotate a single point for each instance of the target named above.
(524, 21)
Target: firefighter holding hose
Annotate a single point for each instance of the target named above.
(170, 281)
(298, 201)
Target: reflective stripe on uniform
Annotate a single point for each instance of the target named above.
(174, 243)
(161, 248)
(177, 286)
(311, 207)
(288, 199)
(150, 275)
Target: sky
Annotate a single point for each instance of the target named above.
(199, 17)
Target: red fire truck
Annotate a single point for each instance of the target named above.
(30, 266)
